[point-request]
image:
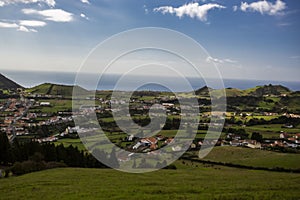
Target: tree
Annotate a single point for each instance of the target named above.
(37, 157)
(4, 149)
(256, 136)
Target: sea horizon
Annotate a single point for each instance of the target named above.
(30, 79)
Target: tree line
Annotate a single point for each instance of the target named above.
(23, 157)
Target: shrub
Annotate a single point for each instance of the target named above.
(171, 166)
(27, 167)
(51, 165)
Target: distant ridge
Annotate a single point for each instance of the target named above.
(257, 91)
(270, 90)
(6, 83)
(67, 90)
(56, 89)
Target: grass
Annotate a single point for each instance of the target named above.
(227, 154)
(271, 128)
(74, 142)
(56, 106)
(248, 118)
(193, 183)
(254, 157)
(55, 89)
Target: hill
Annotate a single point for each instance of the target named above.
(269, 90)
(194, 183)
(204, 91)
(257, 91)
(55, 89)
(7, 84)
(230, 92)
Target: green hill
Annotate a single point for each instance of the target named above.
(194, 183)
(269, 90)
(7, 84)
(257, 91)
(55, 89)
(204, 91)
(233, 92)
(230, 92)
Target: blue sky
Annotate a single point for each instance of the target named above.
(245, 39)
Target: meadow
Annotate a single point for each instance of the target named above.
(254, 157)
(201, 182)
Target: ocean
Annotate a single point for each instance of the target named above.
(33, 78)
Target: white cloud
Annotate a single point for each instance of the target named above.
(85, 1)
(230, 61)
(264, 7)
(8, 25)
(50, 3)
(146, 10)
(25, 29)
(84, 16)
(56, 15)
(192, 10)
(16, 26)
(210, 59)
(32, 23)
(235, 8)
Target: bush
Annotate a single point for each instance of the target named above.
(27, 167)
(17, 169)
(51, 165)
(172, 166)
(32, 166)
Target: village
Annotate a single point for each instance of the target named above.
(23, 118)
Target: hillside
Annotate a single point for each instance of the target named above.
(6, 83)
(257, 91)
(55, 89)
(204, 91)
(200, 182)
(269, 90)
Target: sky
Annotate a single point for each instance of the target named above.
(245, 39)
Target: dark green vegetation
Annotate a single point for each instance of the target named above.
(200, 182)
(7, 84)
(21, 158)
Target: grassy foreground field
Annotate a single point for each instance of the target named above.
(193, 183)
